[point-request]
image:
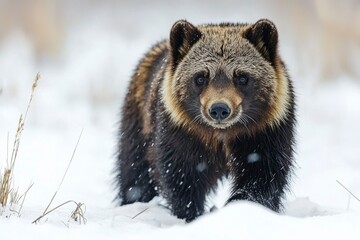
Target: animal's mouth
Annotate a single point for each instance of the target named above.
(220, 124)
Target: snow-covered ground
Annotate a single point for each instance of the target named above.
(84, 89)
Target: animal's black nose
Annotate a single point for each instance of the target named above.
(219, 111)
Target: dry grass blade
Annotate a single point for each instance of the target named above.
(7, 149)
(33, 87)
(140, 213)
(23, 198)
(348, 190)
(47, 211)
(14, 196)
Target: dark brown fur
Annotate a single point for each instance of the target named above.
(170, 143)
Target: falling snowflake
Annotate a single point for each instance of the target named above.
(133, 194)
(201, 166)
(253, 157)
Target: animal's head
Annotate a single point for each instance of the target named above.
(225, 76)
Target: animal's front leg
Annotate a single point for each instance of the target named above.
(260, 169)
(186, 172)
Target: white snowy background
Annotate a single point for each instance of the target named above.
(86, 51)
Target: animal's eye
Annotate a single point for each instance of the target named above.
(200, 80)
(241, 79)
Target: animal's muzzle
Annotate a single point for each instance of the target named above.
(219, 111)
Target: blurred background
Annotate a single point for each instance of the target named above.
(86, 51)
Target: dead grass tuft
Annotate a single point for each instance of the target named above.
(9, 195)
(78, 215)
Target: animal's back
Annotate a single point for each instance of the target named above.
(145, 82)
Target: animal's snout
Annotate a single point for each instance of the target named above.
(219, 111)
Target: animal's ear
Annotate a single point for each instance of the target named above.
(264, 36)
(183, 36)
